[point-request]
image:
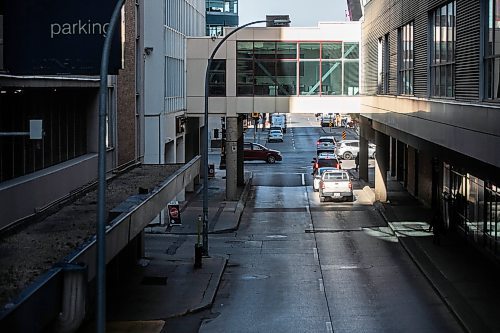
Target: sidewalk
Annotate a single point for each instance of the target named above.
(165, 284)
(465, 280)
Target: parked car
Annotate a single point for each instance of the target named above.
(336, 185)
(326, 143)
(318, 175)
(325, 160)
(275, 135)
(348, 149)
(257, 152)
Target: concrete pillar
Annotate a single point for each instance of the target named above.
(363, 158)
(393, 156)
(400, 161)
(240, 166)
(232, 158)
(381, 166)
(363, 152)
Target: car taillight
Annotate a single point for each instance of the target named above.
(317, 142)
(350, 185)
(316, 165)
(338, 166)
(322, 185)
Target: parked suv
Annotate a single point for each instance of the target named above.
(348, 149)
(326, 144)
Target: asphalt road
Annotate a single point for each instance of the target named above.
(298, 265)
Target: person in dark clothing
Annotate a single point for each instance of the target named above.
(356, 161)
(436, 226)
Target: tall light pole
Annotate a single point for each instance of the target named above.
(205, 124)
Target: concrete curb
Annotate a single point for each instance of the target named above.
(211, 292)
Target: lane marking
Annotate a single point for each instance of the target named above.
(303, 176)
(321, 285)
(315, 253)
(329, 327)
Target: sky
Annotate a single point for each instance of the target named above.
(303, 13)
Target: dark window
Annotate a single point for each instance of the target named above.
(405, 58)
(443, 51)
(217, 78)
(64, 120)
(492, 52)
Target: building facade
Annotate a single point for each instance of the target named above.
(220, 14)
(430, 102)
(145, 111)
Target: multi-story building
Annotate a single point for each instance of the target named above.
(145, 109)
(430, 84)
(220, 14)
(163, 28)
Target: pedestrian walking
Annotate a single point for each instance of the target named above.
(356, 161)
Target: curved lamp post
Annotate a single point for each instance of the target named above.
(205, 124)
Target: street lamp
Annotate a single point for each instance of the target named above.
(205, 124)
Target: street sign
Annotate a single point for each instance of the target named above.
(174, 213)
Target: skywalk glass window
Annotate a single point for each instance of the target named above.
(492, 52)
(265, 68)
(405, 79)
(217, 78)
(443, 50)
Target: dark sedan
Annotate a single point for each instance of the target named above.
(257, 152)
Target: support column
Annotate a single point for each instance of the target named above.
(232, 158)
(363, 152)
(363, 159)
(400, 161)
(240, 166)
(393, 156)
(381, 166)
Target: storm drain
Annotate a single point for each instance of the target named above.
(154, 280)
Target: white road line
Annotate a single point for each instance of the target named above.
(329, 327)
(303, 176)
(315, 253)
(321, 285)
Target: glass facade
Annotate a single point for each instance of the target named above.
(220, 14)
(405, 79)
(265, 68)
(443, 50)
(492, 52)
(472, 205)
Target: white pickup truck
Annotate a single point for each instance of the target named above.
(335, 184)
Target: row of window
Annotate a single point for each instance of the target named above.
(442, 54)
(289, 68)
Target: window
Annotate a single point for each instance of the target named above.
(405, 79)
(265, 68)
(217, 78)
(443, 51)
(383, 65)
(492, 52)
